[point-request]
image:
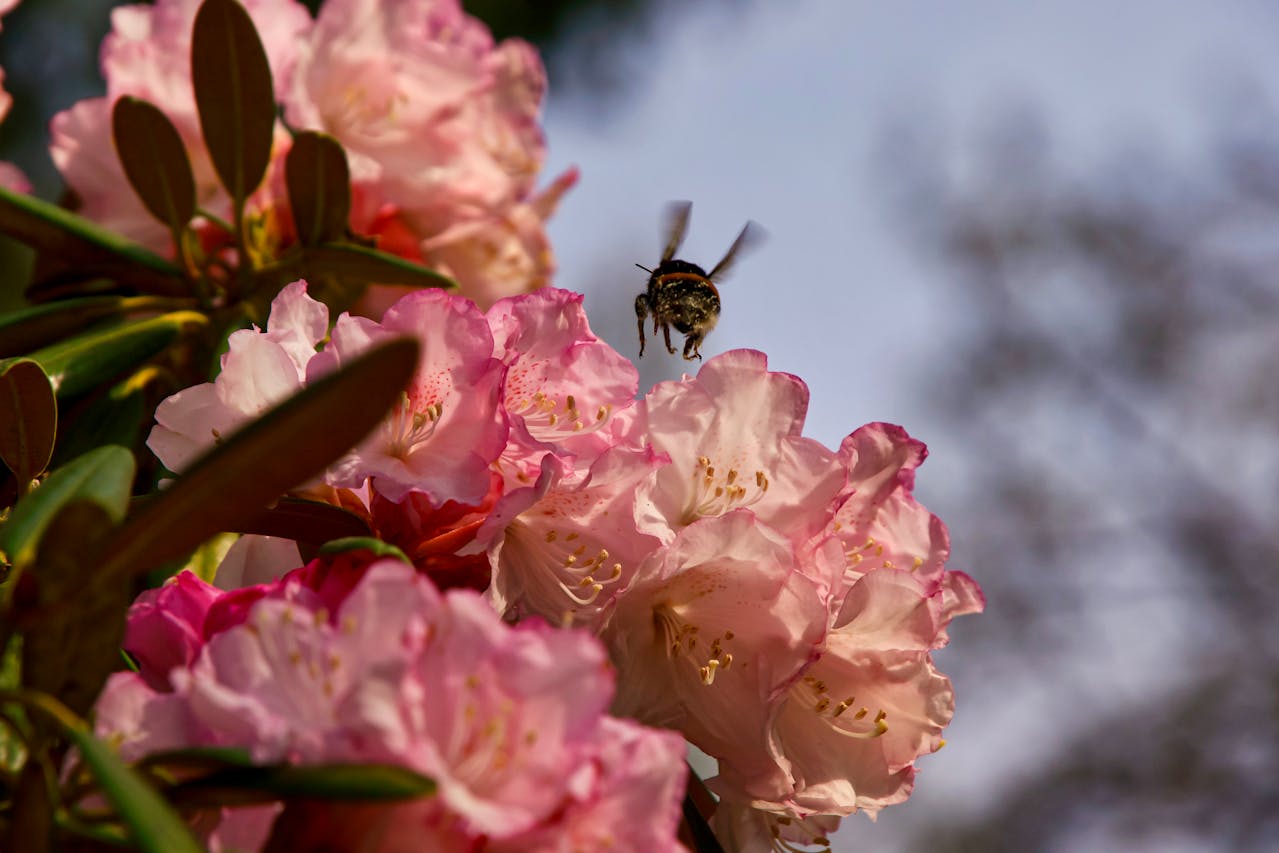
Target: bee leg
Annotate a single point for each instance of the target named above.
(692, 347)
(641, 312)
(666, 333)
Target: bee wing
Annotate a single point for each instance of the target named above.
(676, 224)
(752, 235)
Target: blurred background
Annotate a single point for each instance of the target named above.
(1043, 237)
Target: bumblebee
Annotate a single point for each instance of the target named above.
(682, 294)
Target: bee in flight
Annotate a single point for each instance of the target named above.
(682, 294)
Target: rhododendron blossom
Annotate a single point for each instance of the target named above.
(439, 124)
(259, 370)
(712, 632)
(448, 427)
(734, 438)
(773, 601)
(504, 570)
(563, 384)
(147, 55)
(507, 720)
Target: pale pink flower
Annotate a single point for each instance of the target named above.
(254, 559)
(147, 55)
(441, 130)
(882, 526)
(744, 829)
(566, 548)
(850, 730)
(625, 800)
(136, 719)
(448, 427)
(713, 631)
(507, 720)
(259, 370)
(429, 110)
(563, 384)
(504, 252)
(733, 434)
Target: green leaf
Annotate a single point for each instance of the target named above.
(339, 272)
(233, 94)
(319, 185)
(305, 521)
(28, 419)
(71, 627)
(364, 543)
(370, 265)
(348, 782)
(93, 250)
(289, 444)
(155, 161)
(81, 363)
(115, 416)
(103, 476)
(31, 328)
(153, 824)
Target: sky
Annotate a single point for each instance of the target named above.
(778, 112)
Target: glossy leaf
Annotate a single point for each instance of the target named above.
(72, 627)
(154, 160)
(28, 419)
(233, 94)
(94, 250)
(31, 328)
(346, 782)
(84, 362)
(373, 266)
(306, 521)
(114, 416)
(292, 442)
(364, 543)
(319, 185)
(354, 265)
(103, 476)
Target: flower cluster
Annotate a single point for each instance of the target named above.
(333, 665)
(774, 601)
(439, 124)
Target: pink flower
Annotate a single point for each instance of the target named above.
(429, 110)
(714, 630)
(448, 428)
(507, 721)
(259, 370)
(882, 526)
(441, 129)
(563, 384)
(148, 55)
(166, 626)
(734, 438)
(629, 799)
(565, 549)
(850, 730)
(504, 252)
(744, 829)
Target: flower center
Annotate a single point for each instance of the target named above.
(566, 570)
(411, 427)
(547, 416)
(716, 492)
(811, 693)
(683, 642)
